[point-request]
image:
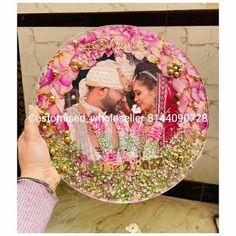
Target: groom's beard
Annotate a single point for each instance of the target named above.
(109, 105)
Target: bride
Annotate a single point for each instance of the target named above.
(153, 95)
(145, 132)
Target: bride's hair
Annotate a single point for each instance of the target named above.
(145, 71)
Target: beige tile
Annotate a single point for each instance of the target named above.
(213, 99)
(206, 168)
(39, 44)
(205, 57)
(50, 7)
(212, 5)
(208, 35)
(107, 7)
(29, 84)
(28, 52)
(172, 34)
(80, 214)
(57, 36)
(200, 44)
(202, 48)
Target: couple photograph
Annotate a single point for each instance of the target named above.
(123, 87)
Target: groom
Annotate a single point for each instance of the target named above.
(104, 87)
(101, 93)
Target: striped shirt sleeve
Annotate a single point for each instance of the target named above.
(34, 206)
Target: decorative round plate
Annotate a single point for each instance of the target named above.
(124, 113)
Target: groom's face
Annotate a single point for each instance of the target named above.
(112, 101)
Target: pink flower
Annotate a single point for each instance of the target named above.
(109, 52)
(149, 38)
(83, 159)
(185, 99)
(46, 78)
(168, 49)
(96, 54)
(190, 111)
(180, 84)
(42, 96)
(202, 95)
(156, 131)
(204, 131)
(194, 94)
(129, 30)
(202, 107)
(62, 89)
(62, 59)
(42, 99)
(86, 175)
(60, 64)
(53, 110)
(123, 156)
(130, 173)
(90, 37)
(97, 124)
(180, 56)
(61, 126)
(63, 84)
(121, 126)
(109, 157)
(174, 53)
(118, 53)
(136, 129)
(203, 125)
(126, 35)
(191, 71)
(66, 80)
(198, 95)
(109, 197)
(133, 161)
(164, 62)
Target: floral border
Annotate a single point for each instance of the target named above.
(82, 53)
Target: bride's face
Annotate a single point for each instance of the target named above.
(144, 97)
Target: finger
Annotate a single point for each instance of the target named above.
(32, 123)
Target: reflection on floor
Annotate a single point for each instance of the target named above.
(80, 214)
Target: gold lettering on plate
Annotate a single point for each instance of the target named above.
(116, 44)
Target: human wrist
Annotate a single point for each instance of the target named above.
(52, 179)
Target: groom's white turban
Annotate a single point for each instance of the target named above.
(108, 73)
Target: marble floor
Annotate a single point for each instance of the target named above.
(79, 214)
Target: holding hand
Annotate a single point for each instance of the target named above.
(34, 157)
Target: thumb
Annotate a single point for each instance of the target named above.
(31, 130)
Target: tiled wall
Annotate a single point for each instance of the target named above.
(200, 43)
(108, 7)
